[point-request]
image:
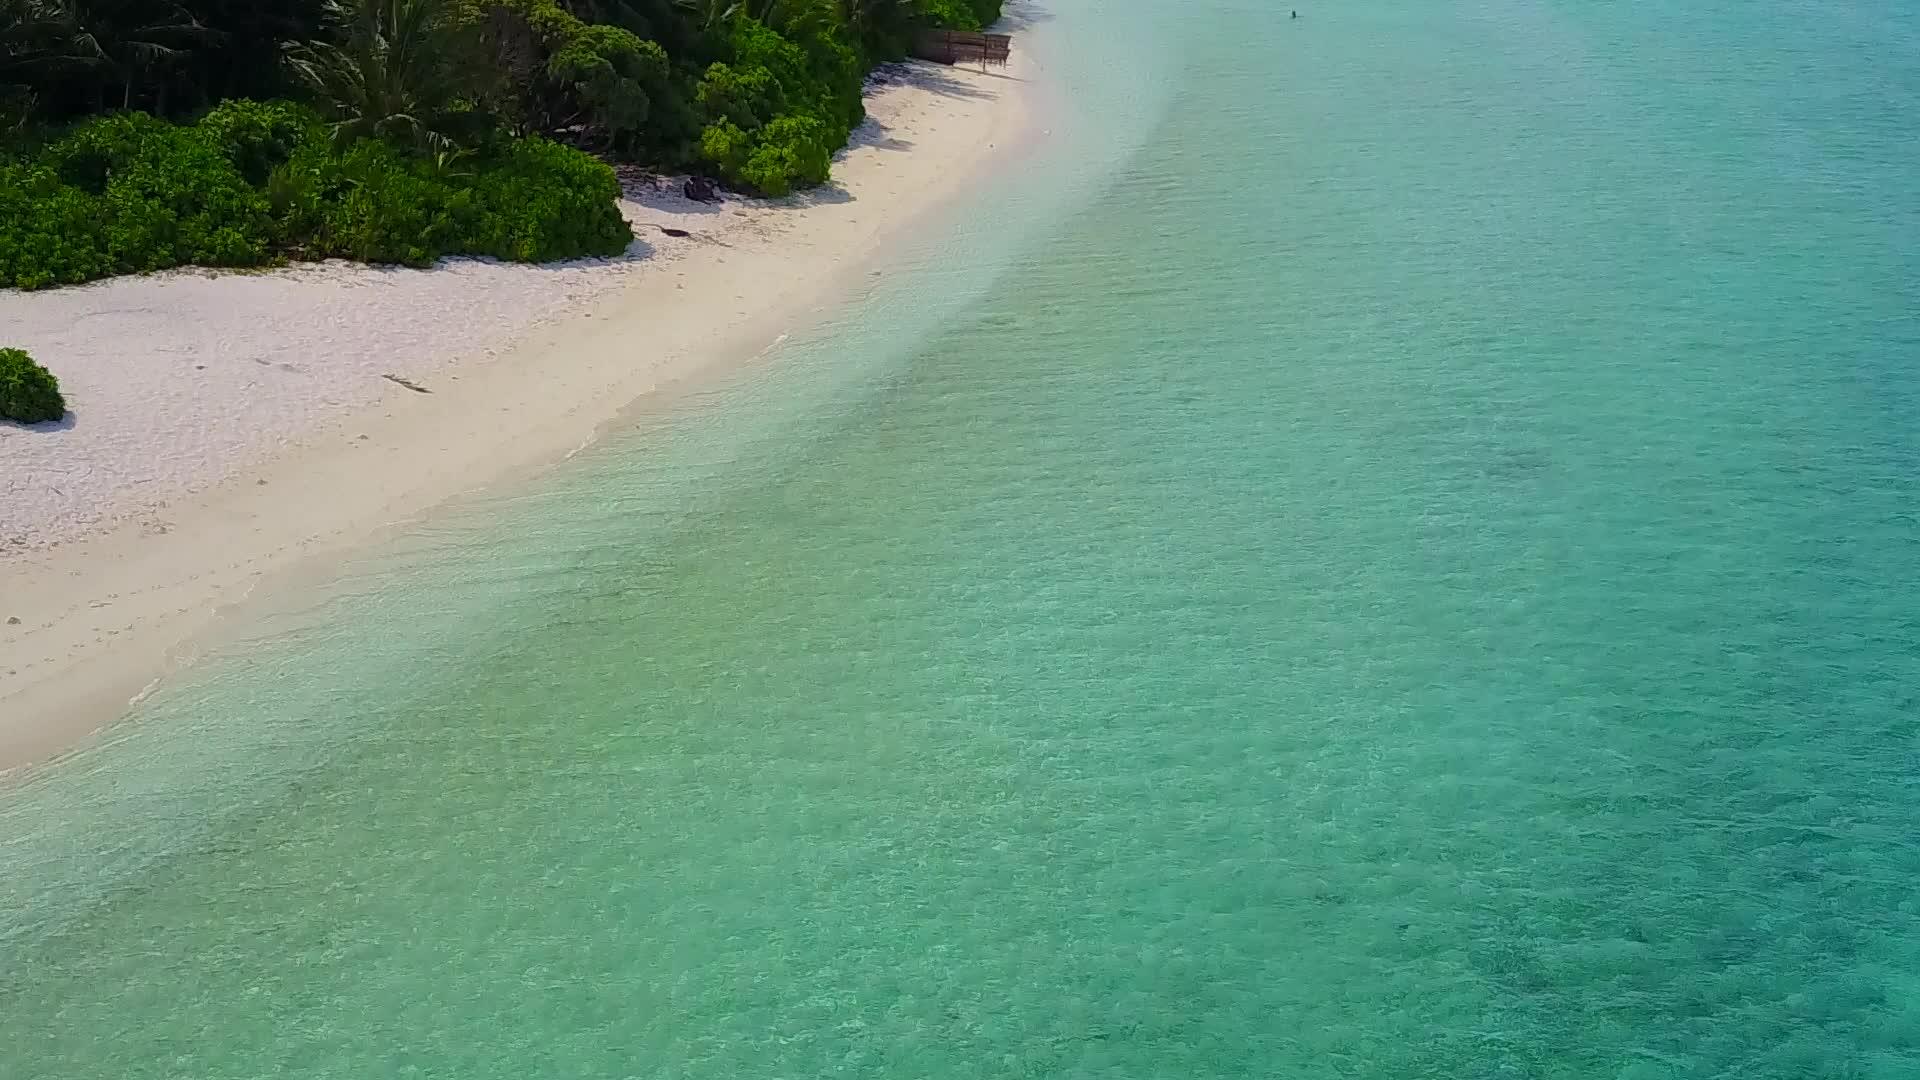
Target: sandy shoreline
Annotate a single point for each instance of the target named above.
(229, 427)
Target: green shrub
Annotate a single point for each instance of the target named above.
(544, 202)
(792, 152)
(254, 181)
(726, 147)
(88, 156)
(533, 201)
(537, 58)
(50, 233)
(755, 46)
(257, 137)
(781, 101)
(29, 394)
(126, 193)
(746, 98)
(960, 14)
(376, 205)
(644, 80)
(987, 11)
(174, 199)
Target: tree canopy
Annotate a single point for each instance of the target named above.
(637, 79)
(142, 134)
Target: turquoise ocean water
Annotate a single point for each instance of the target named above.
(1395, 553)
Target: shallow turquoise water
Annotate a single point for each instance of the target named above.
(1404, 565)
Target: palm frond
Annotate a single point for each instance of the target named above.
(384, 73)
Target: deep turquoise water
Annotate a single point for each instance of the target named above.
(1398, 555)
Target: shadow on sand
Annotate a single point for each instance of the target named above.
(44, 427)
(637, 251)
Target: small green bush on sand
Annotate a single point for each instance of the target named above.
(29, 394)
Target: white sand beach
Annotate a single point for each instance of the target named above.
(228, 426)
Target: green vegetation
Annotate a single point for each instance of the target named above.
(127, 193)
(142, 134)
(29, 393)
(961, 14)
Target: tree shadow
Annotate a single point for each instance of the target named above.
(831, 193)
(931, 77)
(667, 197)
(44, 427)
(874, 135)
(638, 250)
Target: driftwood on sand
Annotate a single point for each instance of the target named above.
(408, 383)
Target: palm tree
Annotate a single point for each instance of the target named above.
(125, 44)
(24, 27)
(29, 32)
(388, 75)
(711, 13)
(865, 15)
